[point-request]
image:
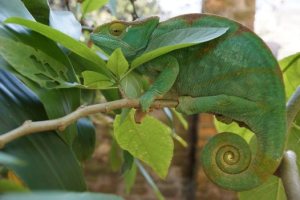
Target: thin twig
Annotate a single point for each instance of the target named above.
(133, 13)
(60, 124)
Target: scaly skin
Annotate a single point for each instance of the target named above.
(234, 76)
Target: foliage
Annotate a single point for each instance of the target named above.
(45, 70)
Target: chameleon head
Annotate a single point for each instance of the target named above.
(131, 37)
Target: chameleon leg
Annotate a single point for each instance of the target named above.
(168, 69)
(227, 158)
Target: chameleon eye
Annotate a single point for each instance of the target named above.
(117, 29)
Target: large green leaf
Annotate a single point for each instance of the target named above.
(272, 189)
(67, 41)
(84, 143)
(56, 102)
(177, 39)
(149, 141)
(13, 8)
(291, 67)
(36, 65)
(65, 22)
(95, 80)
(91, 5)
(60, 196)
(49, 162)
(39, 9)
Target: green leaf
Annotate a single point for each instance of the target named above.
(291, 73)
(115, 159)
(67, 41)
(117, 63)
(91, 5)
(13, 8)
(84, 143)
(56, 102)
(149, 141)
(129, 178)
(49, 162)
(272, 189)
(10, 186)
(39, 9)
(132, 85)
(291, 68)
(65, 22)
(94, 80)
(177, 39)
(60, 196)
(35, 65)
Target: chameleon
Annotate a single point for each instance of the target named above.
(235, 77)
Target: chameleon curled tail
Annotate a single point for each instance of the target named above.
(228, 161)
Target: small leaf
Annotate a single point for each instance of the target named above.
(149, 141)
(67, 41)
(272, 189)
(177, 39)
(35, 65)
(91, 5)
(117, 63)
(94, 80)
(132, 85)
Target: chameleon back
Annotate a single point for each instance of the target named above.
(237, 64)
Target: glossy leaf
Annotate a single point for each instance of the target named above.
(272, 189)
(35, 65)
(39, 9)
(84, 143)
(49, 163)
(177, 39)
(65, 40)
(56, 102)
(6, 159)
(149, 141)
(65, 22)
(94, 80)
(13, 8)
(91, 5)
(60, 196)
(291, 68)
(117, 63)
(291, 73)
(130, 177)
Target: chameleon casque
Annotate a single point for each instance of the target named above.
(234, 76)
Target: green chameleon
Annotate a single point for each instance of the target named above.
(234, 76)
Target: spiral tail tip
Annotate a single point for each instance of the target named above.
(226, 160)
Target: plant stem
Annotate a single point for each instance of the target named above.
(60, 124)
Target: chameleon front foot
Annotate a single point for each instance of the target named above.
(146, 100)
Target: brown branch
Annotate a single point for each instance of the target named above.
(60, 124)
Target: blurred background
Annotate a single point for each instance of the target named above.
(277, 22)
